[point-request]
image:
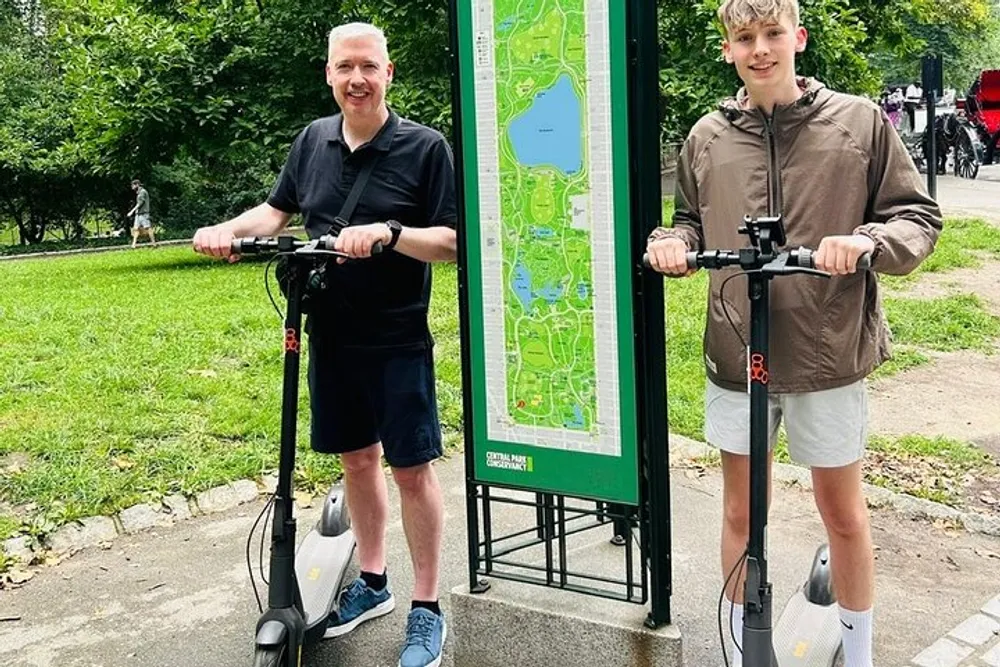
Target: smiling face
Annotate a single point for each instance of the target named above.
(359, 71)
(764, 55)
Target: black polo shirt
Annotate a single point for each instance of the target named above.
(381, 302)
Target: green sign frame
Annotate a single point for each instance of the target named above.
(537, 462)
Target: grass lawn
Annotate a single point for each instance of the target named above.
(129, 375)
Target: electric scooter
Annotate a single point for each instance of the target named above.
(304, 584)
(808, 632)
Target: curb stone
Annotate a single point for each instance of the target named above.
(970, 641)
(19, 548)
(97, 530)
(92, 531)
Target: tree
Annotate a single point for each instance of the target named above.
(43, 182)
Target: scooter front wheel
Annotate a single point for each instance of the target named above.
(268, 657)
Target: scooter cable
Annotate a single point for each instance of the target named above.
(722, 638)
(263, 536)
(253, 583)
(267, 285)
(725, 309)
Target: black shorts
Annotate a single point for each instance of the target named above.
(358, 398)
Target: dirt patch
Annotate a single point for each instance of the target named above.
(956, 395)
(983, 281)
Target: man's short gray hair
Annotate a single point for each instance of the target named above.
(352, 30)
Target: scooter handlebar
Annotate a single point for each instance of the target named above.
(251, 245)
(802, 257)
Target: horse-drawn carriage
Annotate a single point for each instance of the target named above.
(981, 109)
(972, 130)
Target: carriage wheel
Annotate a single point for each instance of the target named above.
(966, 154)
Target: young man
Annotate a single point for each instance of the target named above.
(371, 373)
(833, 166)
(141, 213)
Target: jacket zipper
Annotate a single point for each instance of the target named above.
(774, 203)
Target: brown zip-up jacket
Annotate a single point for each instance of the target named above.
(830, 164)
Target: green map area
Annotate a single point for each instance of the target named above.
(541, 74)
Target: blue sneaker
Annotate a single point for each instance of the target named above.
(358, 603)
(425, 635)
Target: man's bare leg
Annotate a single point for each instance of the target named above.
(423, 523)
(368, 503)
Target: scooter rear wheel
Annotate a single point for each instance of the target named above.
(268, 657)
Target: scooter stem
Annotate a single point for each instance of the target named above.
(758, 650)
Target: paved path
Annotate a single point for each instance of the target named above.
(180, 595)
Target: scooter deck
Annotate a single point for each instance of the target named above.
(320, 563)
(807, 634)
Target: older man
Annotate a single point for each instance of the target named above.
(371, 371)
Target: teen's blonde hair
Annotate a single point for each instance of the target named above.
(736, 14)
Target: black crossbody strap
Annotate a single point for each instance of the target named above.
(347, 210)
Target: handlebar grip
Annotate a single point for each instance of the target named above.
(692, 260)
(243, 246)
(327, 242)
(806, 258)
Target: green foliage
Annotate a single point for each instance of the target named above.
(9, 526)
(694, 77)
(965, 32)
(202, 99)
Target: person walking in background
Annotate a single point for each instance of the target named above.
(141, 213)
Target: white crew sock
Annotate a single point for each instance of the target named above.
(856, 627)
(736, 629)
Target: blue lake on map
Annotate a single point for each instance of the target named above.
(526, 293)
(577, 420)
(522, 284)
(549, 132)
(551, 293)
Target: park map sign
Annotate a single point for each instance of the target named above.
(544, 136)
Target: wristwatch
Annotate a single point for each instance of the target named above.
(395, 228)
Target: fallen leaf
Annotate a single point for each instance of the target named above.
(20, 576)
(122, 463)
(303, 499)
(986, 553)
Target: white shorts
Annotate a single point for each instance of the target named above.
(826, 429)
(142, 221)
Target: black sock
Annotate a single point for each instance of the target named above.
(375, 581)
(423, 604)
